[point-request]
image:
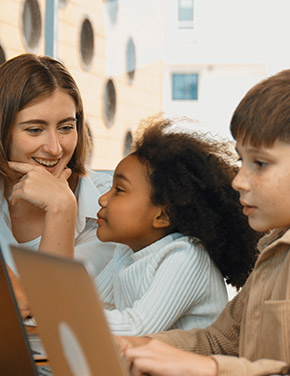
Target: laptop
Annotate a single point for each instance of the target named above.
(16, 355)
(69, 314)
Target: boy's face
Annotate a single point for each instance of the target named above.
(127, 213)
(263, 182)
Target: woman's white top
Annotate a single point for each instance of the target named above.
(88, 248)
(170, 284)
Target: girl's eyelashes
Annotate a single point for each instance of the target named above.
(118, 189)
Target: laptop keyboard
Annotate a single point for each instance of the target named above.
(44, 371)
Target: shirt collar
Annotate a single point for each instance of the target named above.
(87, 195)
(273, 242)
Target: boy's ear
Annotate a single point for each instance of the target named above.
(161, 219)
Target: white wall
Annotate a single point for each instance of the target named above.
(233, 45)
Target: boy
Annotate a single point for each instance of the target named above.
(254, 328)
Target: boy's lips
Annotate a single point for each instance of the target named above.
(247, 208)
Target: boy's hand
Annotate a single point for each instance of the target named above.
(124, 343)
(159, 359)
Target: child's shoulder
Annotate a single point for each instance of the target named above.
(182, 249)
(278, 235)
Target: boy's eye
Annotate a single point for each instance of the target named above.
(260, 164)
(239, 161)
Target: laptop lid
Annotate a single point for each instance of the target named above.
(69, 315)
(15, 354)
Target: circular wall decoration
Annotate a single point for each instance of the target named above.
(62, 3)
(31, 24)
(113, 9)
(130, 60)
(128, 143)
(110, 103)
(87, 43)
(2, 55)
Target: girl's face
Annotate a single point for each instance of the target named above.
(127, 213)
(263, 182)
(45, 133)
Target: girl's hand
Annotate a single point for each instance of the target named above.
(19, 293)
(41, 188)
(159, 359)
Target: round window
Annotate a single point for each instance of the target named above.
(109, 103)
(2, 56)
(87, 42)
(31, 23)
(128, 143)
(62, 3)
(130, 60)
(112, 8)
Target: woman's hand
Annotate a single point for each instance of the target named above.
(53, 195)
(42, 189)
(19, 294)
(159, 359)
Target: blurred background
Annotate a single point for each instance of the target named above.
(134, 58)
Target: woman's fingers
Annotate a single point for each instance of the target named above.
(66, 173)
(20, 167)
(40, 187)
(24, 168)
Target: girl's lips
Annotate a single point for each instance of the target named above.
(100, 219)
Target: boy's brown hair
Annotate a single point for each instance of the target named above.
(263, 115)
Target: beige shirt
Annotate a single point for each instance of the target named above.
(252, 334)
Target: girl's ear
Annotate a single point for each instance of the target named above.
(161, 219)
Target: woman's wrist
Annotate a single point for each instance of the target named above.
(63, 205)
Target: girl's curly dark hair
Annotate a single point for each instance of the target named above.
(191, 176)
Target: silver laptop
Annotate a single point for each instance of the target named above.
(69, 315)
(16, 355)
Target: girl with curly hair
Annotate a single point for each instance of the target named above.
(179, 221)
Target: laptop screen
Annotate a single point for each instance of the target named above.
(15, 355)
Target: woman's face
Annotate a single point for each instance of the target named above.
(45, 132)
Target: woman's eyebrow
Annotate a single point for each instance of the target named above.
(33, 121)
(68, 119)
(41, 121)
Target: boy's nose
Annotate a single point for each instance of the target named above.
(241, 181)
